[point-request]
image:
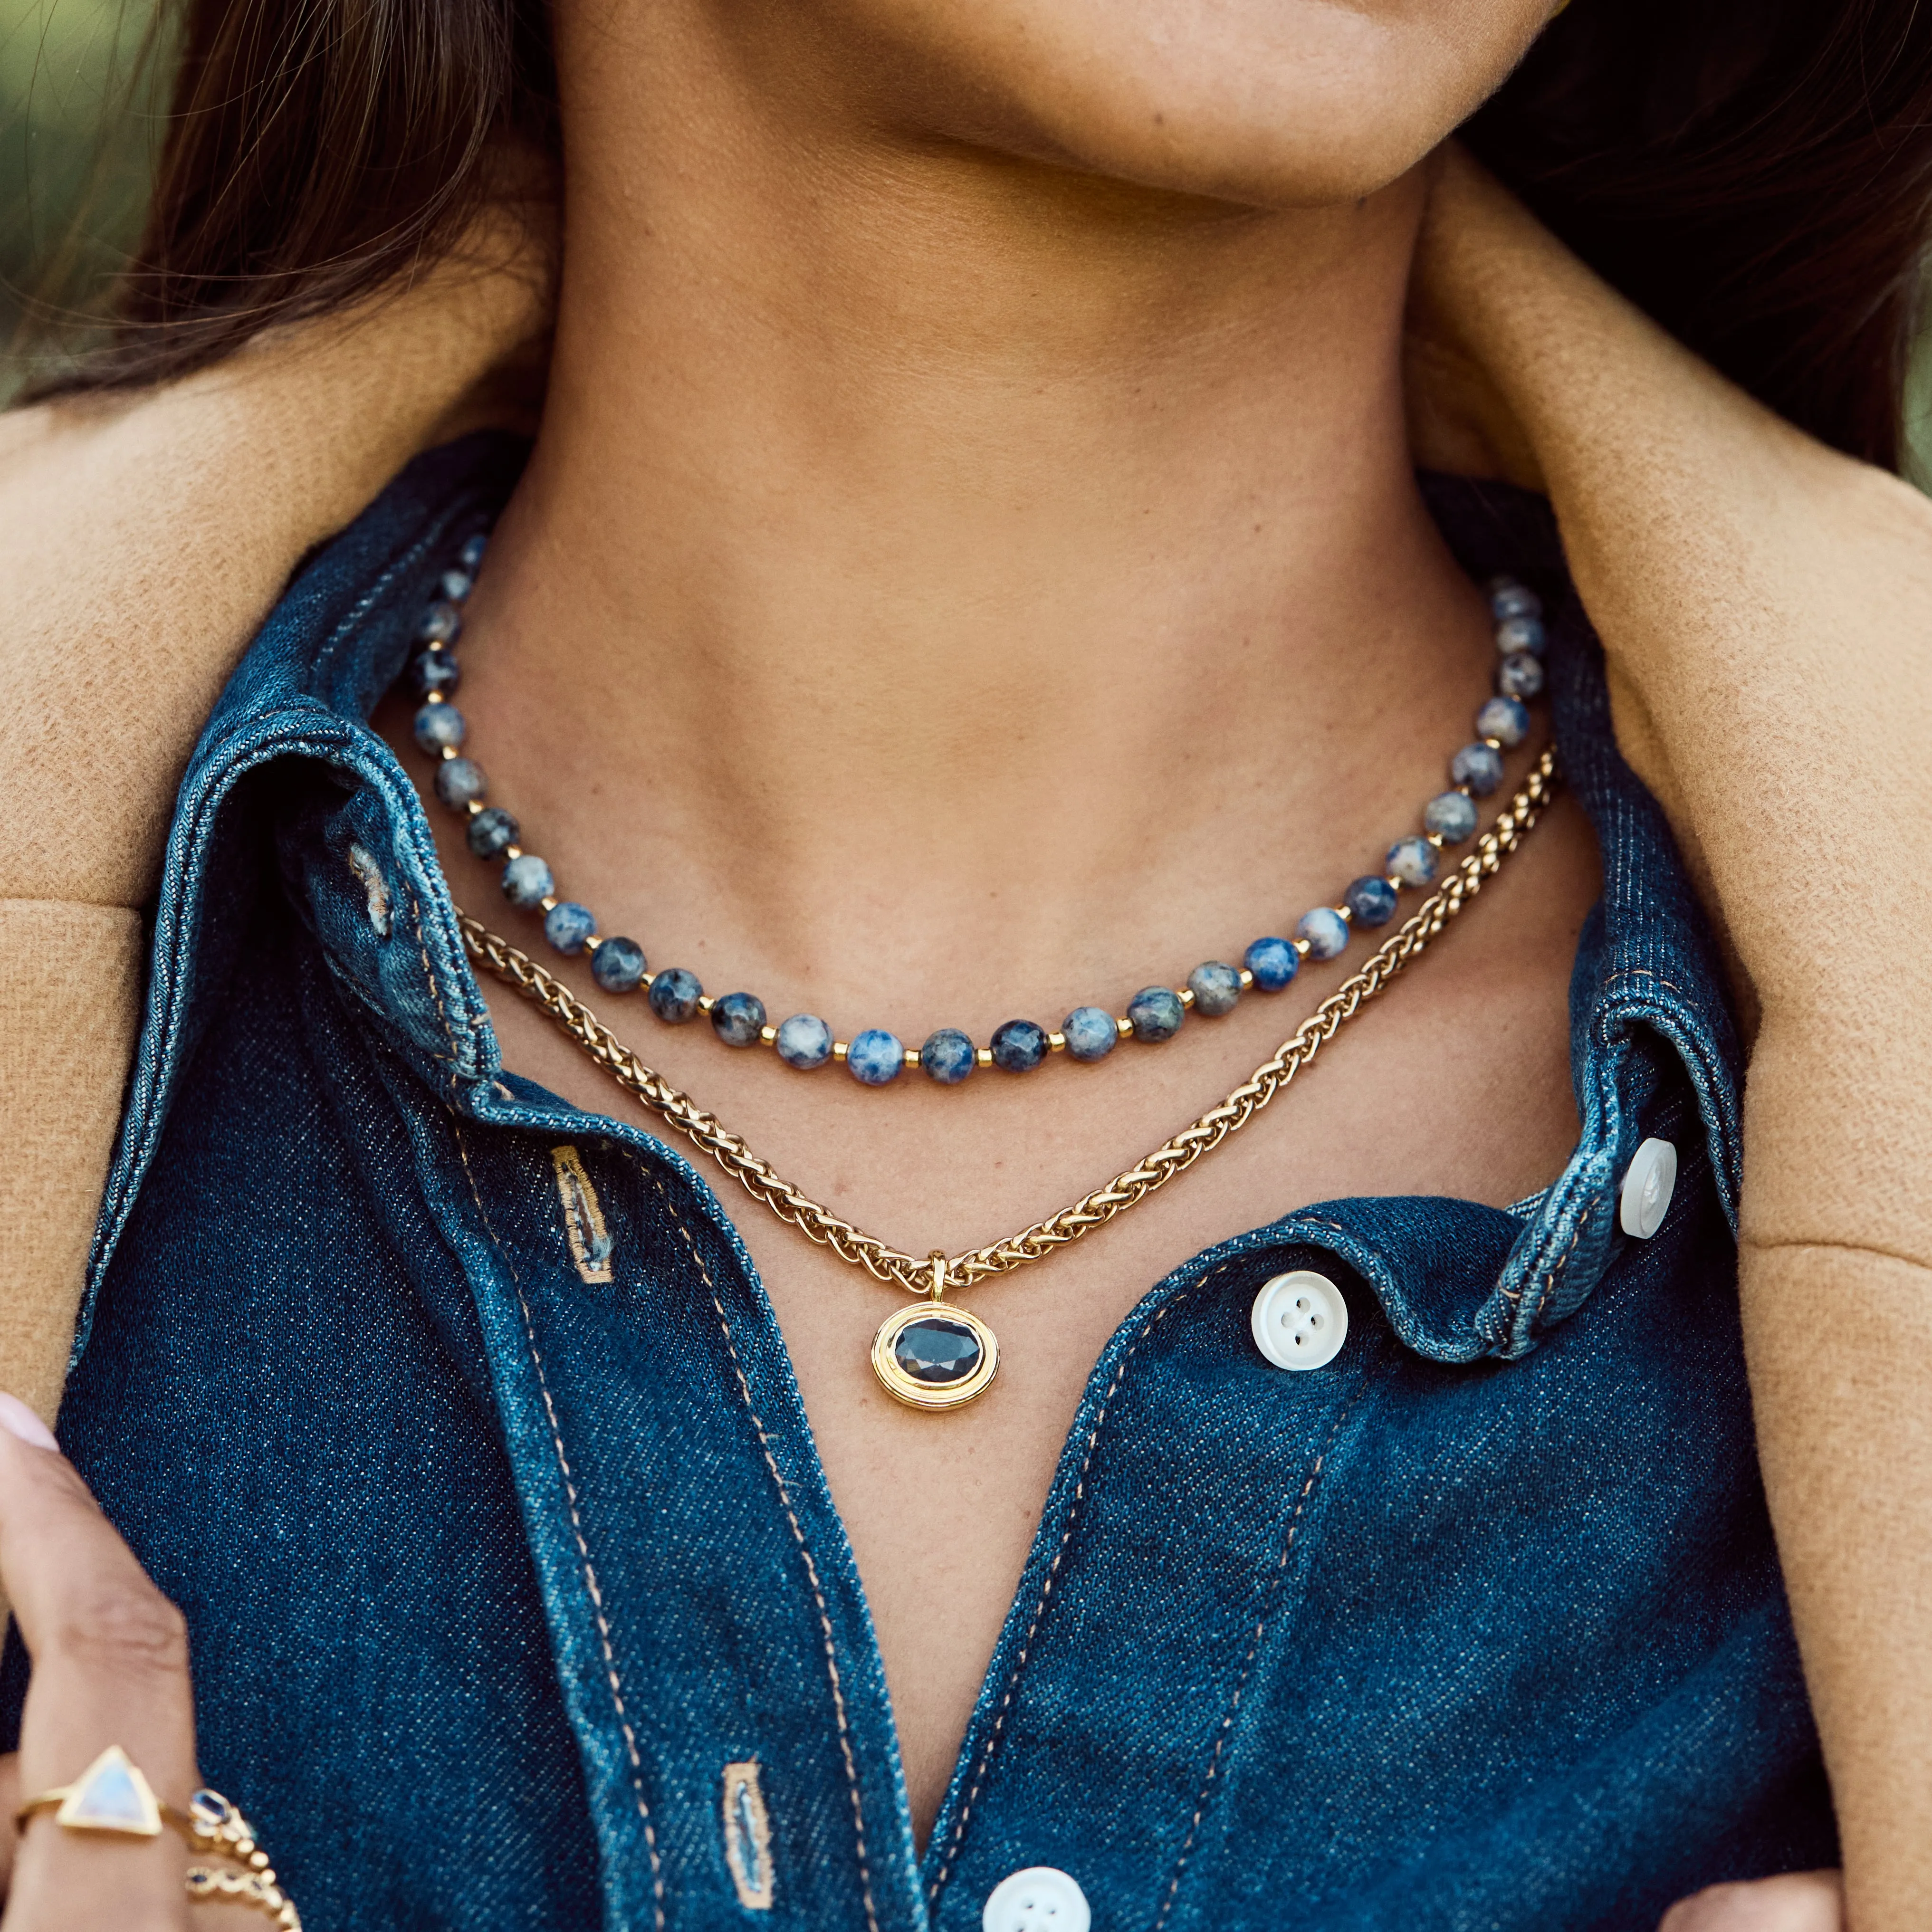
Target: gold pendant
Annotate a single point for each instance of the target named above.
(931, 1357)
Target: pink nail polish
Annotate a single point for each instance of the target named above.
(17, 1419)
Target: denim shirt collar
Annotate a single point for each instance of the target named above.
(1646, 1002)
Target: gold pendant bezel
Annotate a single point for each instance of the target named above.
(933, 1395)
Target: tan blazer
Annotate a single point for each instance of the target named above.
(1766, 609)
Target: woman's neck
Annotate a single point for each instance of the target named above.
(914, 528)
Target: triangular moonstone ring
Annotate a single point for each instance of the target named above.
(111, 1796)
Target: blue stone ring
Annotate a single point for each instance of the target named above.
(932, 1355)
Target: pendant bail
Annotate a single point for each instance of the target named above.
(937, 1259)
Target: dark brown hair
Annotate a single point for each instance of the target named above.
(1757, 174)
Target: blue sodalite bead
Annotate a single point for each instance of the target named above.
(1520, 634)
(1478, 766)
(458, 780)
(433, 671)
(738, 1018)
(1325, 930)
(1509, 599)
(1157, 1012)
(948, 1056)
(1090, 1032)
(876, 1058)
(568, 925)
(1520, 676)
(1504, 719)
(471, 555)
(438, 727)
(674, 995)
(526, 880)
(804, 1041)
(1215, 987)
(440, 623)
(1371, 898)
(1451, 816)
(1273, 962)
(456, 585)
(1412, 861)
(1019, 1046)
(618, 965)
(491, 830)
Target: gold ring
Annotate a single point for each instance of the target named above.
(112, 1798)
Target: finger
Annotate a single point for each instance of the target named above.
(110, 1667)
(1794, 1902)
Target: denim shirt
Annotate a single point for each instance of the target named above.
(517, 1594)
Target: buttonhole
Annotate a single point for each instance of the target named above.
(375, 887)
(591, 1246)
(747, 1837)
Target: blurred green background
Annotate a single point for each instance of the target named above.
(77, 127)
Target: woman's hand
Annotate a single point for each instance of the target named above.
(110, 1667)
(1798, 1902)
(1765, 608)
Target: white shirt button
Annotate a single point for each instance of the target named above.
(1648, 1187)
(1040, 1899)
(1300, 1321)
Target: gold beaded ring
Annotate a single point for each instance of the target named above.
(112, 1798)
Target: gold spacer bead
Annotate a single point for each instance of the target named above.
(982, 1056)
(912, 1056)
(1302, 946)
(1247, 980)
(1185, 994)
(434, 697)
(548, 904)
(1494, 744)
(1056, 1043)
(472, 806)
(1342, 913)
(768, 1034)
(839, 1049)
(511, 852)
(1394, 883)
(446, 752)
(1434, 838)
(705, 1003)
(1124, 1028)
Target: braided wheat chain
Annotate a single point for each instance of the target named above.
(891, 1265)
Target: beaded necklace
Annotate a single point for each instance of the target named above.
(875, 1057)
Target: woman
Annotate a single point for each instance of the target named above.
(973, 450)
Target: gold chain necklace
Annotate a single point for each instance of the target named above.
(933, 1360)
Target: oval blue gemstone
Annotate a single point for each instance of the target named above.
(1325, 930)
(1451, 815)
(438, 727)
(1509, 599)
(471, 555)
(948, 1057)
(433, 671)
(1520, 634)
(804, 1041)
(1504, 719)
(738, 1018)
(1090, 1032)
(1412, 860)
(937, 1350)
(1371, 898)
(618, 965)
(440, 622)
(491, 830)
(1157, 1012)
(1520, 676)
(568, 925)
(1215, 987)
(458, 780)
(1478, 766)
(1273, 962)
(876, 1058)
(1019, 1046)
(674, 995)
(526, 880)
